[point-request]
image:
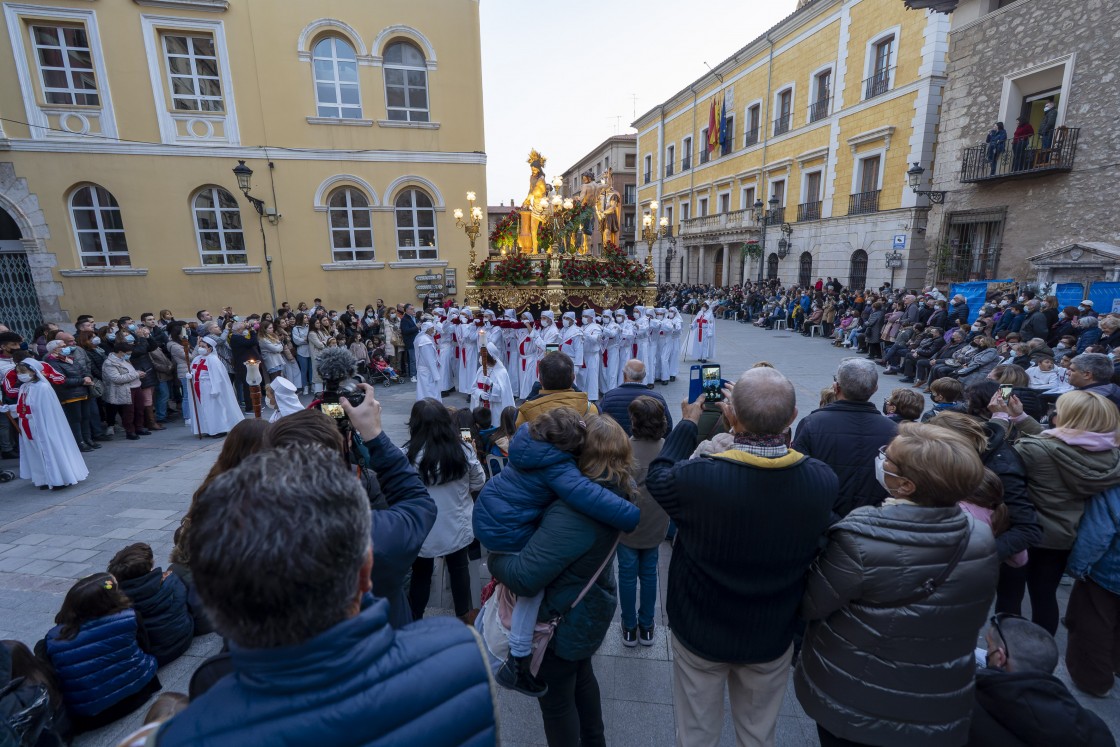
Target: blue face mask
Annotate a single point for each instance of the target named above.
(129, 339)
(132, 328)
(112, 335)
(67, 350)
(126, 356)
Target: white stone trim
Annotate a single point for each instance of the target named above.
(360, 265)
(222, 269)
(213, 6)
(330, 183)
(775, 111)
(1067, 61)
(410, 180)
(340, 121)
(761, 136)
(104, 272)
(811, 155)
(408, 125)
(151, 26)
(720, 195)
(406, 264)
(785, 189)
(323, 25)
(869, 57)
(805, 182)
(857, 175)
(37, 114)
(779, 165)
(408, 32)
(812, 89)
(871, 136)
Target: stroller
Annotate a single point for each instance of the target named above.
(375, 377)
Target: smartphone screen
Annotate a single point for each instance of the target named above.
(552, 348)
(711, 383)
(1005, 392)
(465, 434)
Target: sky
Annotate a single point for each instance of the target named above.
(562, 78)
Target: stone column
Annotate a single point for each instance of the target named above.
(727, 265)
(701, 269)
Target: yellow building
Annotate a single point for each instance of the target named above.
(826, 113)
(123, 119)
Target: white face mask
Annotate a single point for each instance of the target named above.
(25, 377)
(545, 321)
(881, 470)
(567, 323)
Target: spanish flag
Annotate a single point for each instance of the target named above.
(715, 114)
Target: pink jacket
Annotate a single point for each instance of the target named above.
(1019, 559)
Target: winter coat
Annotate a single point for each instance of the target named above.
(162, 604)
(550, 399)
(454, 508)
(997, 143)
(537, 475)
(1031, 709)
(73, 388)
(654, 522)
(101, 665)
(1034, 325)
(847, 436)
(873, 327)
(142, 361)
(272, 354)
(1002, 459)
(562, 556)
(1108, 390)
(616, 403)
(1060, 478)
(1096, 552)
(979, 366)
(179, 358)
(1090, 336)
(202, 622)
(358, 684)
(299, 339)
(929, 347)
(882, 674)
(892, 326)
(939, 318)
(119, 378)
(959, 314)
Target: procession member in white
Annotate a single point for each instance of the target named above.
(48, 453)
(652, 335)
(450, 329)
(673, 318)
(663, 345)
(283, 397)
(587, 374)
(428, 370)
(444, 337)
(467, 338)
(612, 341)
(493, 389)
(571, 340)
(527, 356)
(511, 338)
(629, 347)
(218, 410)
(641, 340)
(702, 336)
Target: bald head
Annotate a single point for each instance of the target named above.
(764, 401)
(634, 371)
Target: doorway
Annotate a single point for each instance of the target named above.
(717, 271)
(19, 302)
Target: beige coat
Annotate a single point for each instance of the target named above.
(118, 377)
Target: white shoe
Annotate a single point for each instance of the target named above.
(413, 379)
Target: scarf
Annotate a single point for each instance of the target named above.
(1083, 439)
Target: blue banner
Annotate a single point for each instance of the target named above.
(974, 295)
(1070, 294)
(1104, 296)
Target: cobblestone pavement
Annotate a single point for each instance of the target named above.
(137, 491)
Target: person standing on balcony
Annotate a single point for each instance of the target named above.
(997, 144)
(1049, 122)
(1019, 142)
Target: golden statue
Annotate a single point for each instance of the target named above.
(608, 208)
(587, 197)
(535, 206)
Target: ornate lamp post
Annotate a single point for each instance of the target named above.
(253, 379)
(471, 226)
(244, 176)
(914, 175)
(762, 216)
(650, 233)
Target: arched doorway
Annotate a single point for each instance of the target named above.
(857, 270)
(19, 302)
(805, 270)
(772, 266)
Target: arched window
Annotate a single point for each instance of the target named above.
(351, 230)
(772, 267)
(857, 270)
(99, 229)
(336, 78)
(406, 83)
(416, 225)
(217, 222)
(805, 270)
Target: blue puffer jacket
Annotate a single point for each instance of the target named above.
(1096, 553)
(358, 683)
(162, 604)
(510, 505)
(101, 665)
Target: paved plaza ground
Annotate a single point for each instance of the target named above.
(137, 491)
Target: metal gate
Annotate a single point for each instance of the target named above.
(19, 303)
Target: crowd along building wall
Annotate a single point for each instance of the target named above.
(122, 122)
(829, 108)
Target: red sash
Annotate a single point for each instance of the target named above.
(197, 373)
(24, 410)
(700, 328)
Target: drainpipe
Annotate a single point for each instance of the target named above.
(691, 177)
(765, 140)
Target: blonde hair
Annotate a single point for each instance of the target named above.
(1010, 374)
(1087, 411)
(984, 342)
(963, 425)
(828, 396)
(944, 467)
(607, 455)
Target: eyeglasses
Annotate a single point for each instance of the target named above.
(999, 631)
(883, 453)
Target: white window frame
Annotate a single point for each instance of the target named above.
(75, 120)
(344, 111)
(830, 68)
(225, 253)
(869, 58)
(415, 228)
(805, 185)
(68, 70)
(857, 170)
(719, 200)
(196, 122)
(197, 97)
(686, 210)
(784, 181)
(408, 109)
(747, 121)
(669, 216)
(687, 152)
(702, 207)
(1010, 104)
(101, 232)
(670, 157)
(350, 229)
(744, 203)
(792, 88)
(647, 168)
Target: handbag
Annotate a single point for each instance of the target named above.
(288, 353)
(930, 585)
(97, 388)
(497, 611)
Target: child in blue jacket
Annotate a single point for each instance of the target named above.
(542, 467)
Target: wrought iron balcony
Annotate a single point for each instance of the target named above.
(1021, 160)
(781, 124)
(704, 155)
(862, 203)
(752, 137)
(668, 169)
(877, 84)
(809, 211)
(647, 177)
(686, 164)
(818, 110)
(776, 217)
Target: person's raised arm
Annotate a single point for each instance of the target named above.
(661, 478)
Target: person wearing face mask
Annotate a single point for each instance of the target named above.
(466, 337)
(959, 310)
(702, 338)
(429, 375)
(492, 333)
(48, 454)
(1034, 322)
(72, 392)
(527, 355)
(672, 355)
(1048, 125)
(213, 394)
(628, 350)
(120, 378)
(611, 344)
(511, 330)
(587, 370)
(571, 340)
(913, 575)
(446, 349)
(1066, 325)
(640, 346)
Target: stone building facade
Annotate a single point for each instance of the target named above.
(1054, 205)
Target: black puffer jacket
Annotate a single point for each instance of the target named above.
(888, 675)
(846, 436)
(162, 604)
(142, 361)
(72, 388)
(1001, 458)
(1031, 709)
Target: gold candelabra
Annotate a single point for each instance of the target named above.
(471, 226)
(650, 233)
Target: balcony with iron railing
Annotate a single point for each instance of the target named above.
(808, 211)
(668, 169)
(686, 163)
(736, 221)
(1021, 160)
(775, 216)
(862, 203)
(751, 138)
(647, 177)
(781, 124)
(704, 155)
(877, 84)
(818, 110)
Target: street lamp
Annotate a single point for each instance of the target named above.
(763, 218)
(471, 226)
(784, 243)
(651, 234)
(244, 176)
(253, 379)
(914, 175)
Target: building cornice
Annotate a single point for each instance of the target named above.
(871, 136)
(211, 6)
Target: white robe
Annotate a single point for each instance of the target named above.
(571, 345)
(533, 349)
(427, 368)
(217, 405)
(674, 345)
(48, 454)
(493, 390)
(511, 336)
(587, 375)
(627, 350)
(641, 343)
(653, 365)
(664, 347)
(702, 337)
(467, 337)
(445, 344)
(611, 343)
